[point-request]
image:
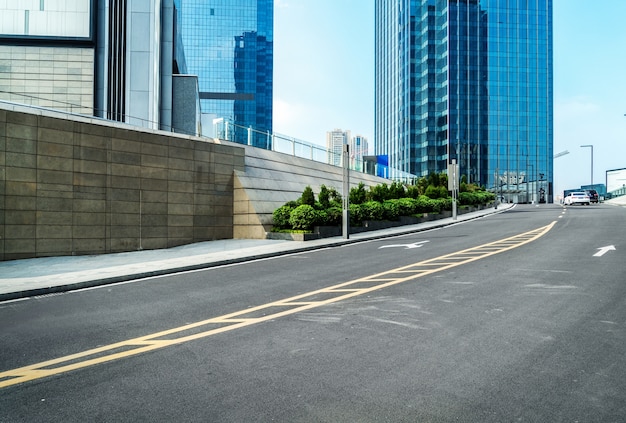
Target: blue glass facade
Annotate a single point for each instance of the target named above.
(469, 80)
(229, 45)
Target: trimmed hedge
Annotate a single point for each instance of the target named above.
(305, 213)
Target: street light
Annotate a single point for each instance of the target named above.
(591, 146)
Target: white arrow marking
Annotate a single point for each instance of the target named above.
(604, 250)
(406, 246)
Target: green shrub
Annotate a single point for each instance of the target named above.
(407, 206)
(281, 217)
(467, 198)
(324, 197)
(356, 215)
(334, 215)
(391, 210)
(433, 179)
(441, 204)
(417, 199)
(308, 197)
(372, 210)
(303, 217)
(379, 193)
(475, 198)
(443, 180)
(358, 194)
(425, 204)
(396, 191)
(321, 218)
(432, 192)
(413, 191)
(335, 197)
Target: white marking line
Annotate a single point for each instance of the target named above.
(604, 250)
(406, 246)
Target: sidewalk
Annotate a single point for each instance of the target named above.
(40, 276)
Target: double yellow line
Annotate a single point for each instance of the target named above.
(264, 312)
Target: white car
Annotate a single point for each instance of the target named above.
(577, 197)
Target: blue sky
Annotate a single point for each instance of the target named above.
(324, 78)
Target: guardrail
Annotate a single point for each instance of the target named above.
(227, 130)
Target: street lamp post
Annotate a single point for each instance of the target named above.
(590, 146)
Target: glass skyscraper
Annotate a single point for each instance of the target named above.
(471, 81)
(229, 46)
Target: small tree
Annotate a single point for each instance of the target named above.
(433, 179)
(379, 193)
(324, 197)
(422, 184)
(396, 191)
(432, 192)
(335, 198)
(358, 194)
(308, 197)
(443, 180)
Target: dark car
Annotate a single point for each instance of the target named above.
(593, 195)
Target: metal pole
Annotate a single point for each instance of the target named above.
(454, 187)
(345, 221)
(495, 186)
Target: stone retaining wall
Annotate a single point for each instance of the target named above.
(86, 186)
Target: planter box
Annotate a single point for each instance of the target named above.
(320, 232)
(288, 236)
(328, 231)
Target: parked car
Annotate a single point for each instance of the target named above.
(593, 195)
(577, 197)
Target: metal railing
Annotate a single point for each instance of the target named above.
(617, 193)
(229, 131)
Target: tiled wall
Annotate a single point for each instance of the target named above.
(73, 187)
(56, 77)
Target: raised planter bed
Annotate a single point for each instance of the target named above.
(368, 225)
(320, 232)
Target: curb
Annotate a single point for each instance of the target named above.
(57, 289)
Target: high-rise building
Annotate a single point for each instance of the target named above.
(120, 60)
(359, 147)
(471, 81)
(335, 140)
(229, 46)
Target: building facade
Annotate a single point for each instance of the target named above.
(335, 140)
(114, 59)
(229, 46)
(47, 55)
(471, 81)
(359, 147)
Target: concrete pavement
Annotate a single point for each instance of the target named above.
(41, 276)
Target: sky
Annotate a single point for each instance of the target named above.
(324, 79)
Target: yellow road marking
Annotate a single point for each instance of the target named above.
(262, 313)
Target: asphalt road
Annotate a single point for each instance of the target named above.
(419, 328)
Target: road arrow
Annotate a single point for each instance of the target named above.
(603, 250)
(406, 246)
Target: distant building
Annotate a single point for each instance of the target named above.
(357, 145)
(229, 45)
(112, 59)
(469, 81)
(335, 140)
(359, 148)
